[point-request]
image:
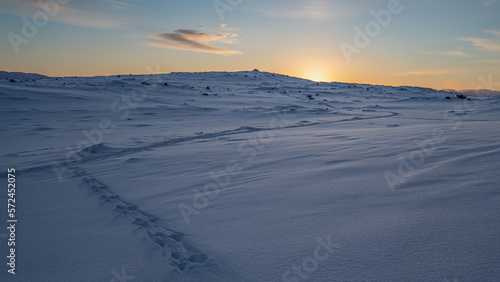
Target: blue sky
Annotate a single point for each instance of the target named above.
(438, 44)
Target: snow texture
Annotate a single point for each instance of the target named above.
(248, 176)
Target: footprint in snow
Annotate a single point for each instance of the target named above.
(180, 255)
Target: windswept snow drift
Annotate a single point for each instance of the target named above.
(248, 176)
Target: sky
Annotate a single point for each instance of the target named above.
(442, 44)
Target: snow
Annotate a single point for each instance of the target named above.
(248, 176)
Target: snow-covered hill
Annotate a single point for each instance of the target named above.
(248, 176)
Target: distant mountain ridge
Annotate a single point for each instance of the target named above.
(471, 92)
(475, 92)
(480, 92)
(20, 75)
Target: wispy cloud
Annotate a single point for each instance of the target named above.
(88, 14)
(484, 44)
(454, 53)
(192, 40)
(226, 28)
(489, 2)
(441, 71)
(321, 10)
(494, 32)
(119, 4)
(87, 18)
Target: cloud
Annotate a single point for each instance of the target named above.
(192, 40)
(321, 10)
(492, 45)
(489, 2)
(494, 32)
(119, 4)
(461, 54)
(87, 19)
(89, 14)
(483, 44)
(435, 71)
(225, 27)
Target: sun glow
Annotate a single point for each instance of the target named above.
(317, 75)
(316, 70)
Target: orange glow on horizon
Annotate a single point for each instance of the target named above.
(317, 73)
(317, 76)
